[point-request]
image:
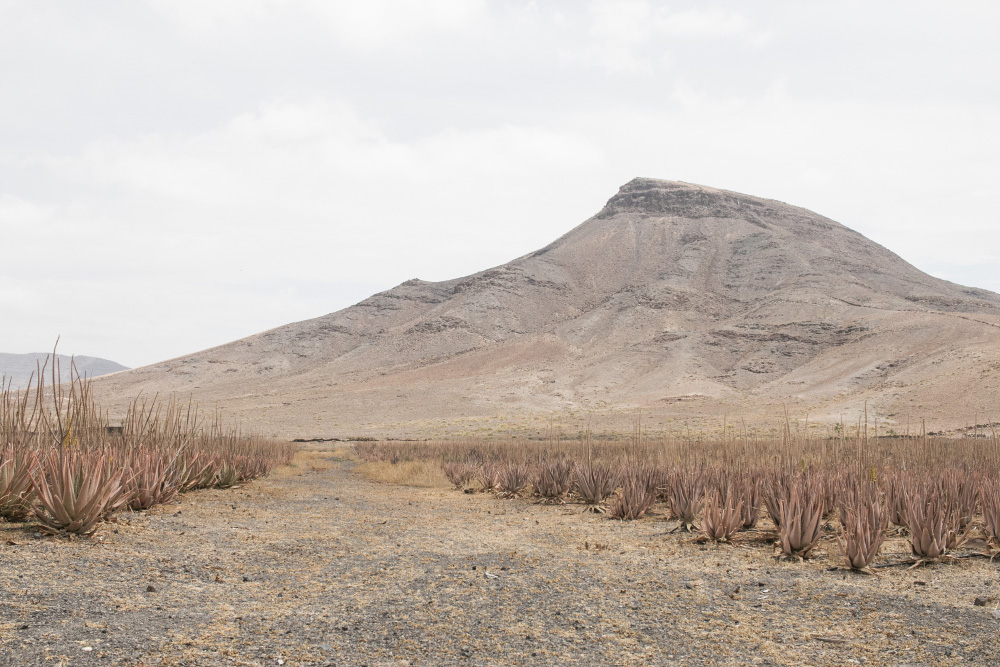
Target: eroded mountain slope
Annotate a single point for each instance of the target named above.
(675, 299)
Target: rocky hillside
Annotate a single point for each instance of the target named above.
(676, 299)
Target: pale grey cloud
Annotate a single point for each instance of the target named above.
(175, 175)
(362, 26)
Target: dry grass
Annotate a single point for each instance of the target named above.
(409, 473)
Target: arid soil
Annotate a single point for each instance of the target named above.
(317, 565)
(681, 300)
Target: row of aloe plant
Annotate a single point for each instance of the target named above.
(938, 492)
(66, 467)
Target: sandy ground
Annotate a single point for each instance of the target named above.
(315, 565)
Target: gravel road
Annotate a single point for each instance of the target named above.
(315, 565)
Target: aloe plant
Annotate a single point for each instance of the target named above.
(721, 518)
(896, 498)
(552, 480)
(75, 490)
(459, 473)
(774, 485)
(488, 475)
(594, 483)
(801, 514)
(935, 524)
(152, 481)
(634, 498)
(687, 486)
(227, 476)
(989, 495)
(512, 479)
(16, 492)
(864, 519)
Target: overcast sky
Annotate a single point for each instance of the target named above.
(176, 174)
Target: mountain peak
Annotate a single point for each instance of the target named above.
(674, 298)
(650, 196)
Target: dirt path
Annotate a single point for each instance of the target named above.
(317, 566)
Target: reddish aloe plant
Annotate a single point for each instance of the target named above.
(75, 491)
(151, 481)
(16, 493)
(722, 516)
(459, 473)
(989, 495)
(864, 520)
(513, 479)
(594, 483)
(687, 486)
(635, 496)
(801, 514)
(934, 523)
(552, 480)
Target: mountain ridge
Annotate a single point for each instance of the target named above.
(672, 294)
(19, 368)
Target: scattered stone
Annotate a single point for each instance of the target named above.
(151, 588)
(980, 602)
(693, 584)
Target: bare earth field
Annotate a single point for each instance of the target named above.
(317, 565)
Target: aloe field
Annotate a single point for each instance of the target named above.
(64, 467)
(649, 548)
(942, 494)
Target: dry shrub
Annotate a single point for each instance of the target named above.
(722, 515)
(552, 480)
(801, 516)
(864, 520)
(369, 452)
(635, 496)
(594, 483)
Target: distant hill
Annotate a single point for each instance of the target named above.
(18, 368)
(675, 300)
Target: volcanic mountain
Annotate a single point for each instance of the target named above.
(674, 301)
(19, 369)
